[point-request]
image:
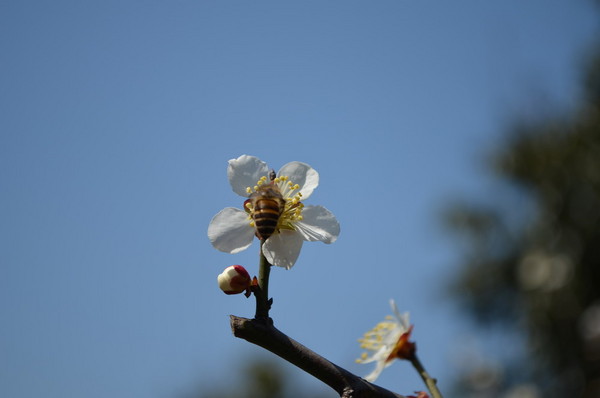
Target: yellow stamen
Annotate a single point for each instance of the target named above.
(292, 209)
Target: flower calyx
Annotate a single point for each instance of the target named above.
(404, 349)
(420, 394)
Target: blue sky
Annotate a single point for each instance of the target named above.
(118, 121)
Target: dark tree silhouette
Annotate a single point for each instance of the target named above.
(536, 269)
(258, 378)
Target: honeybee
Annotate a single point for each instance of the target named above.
(267, 205)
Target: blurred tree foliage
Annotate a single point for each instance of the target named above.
(536, 269)
(257, 378)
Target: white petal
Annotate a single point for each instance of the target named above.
(303, 175)
(230, 231)
(379, 355)
(392, 337)
(318, 224)
(371, 377)
(244, 172)
(403, 319)
(282, 249)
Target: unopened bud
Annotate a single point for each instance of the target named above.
(234, 280)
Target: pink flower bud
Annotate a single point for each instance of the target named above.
(234, 280)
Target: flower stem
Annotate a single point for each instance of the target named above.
(263, 304)
(430, 382)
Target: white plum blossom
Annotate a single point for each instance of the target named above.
(387, 341)
(232, 230)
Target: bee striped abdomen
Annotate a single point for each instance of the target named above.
(266, 215)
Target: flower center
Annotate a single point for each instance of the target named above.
(280, 189)
(374, 339)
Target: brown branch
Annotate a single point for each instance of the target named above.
(262, 333)
(429, 381)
